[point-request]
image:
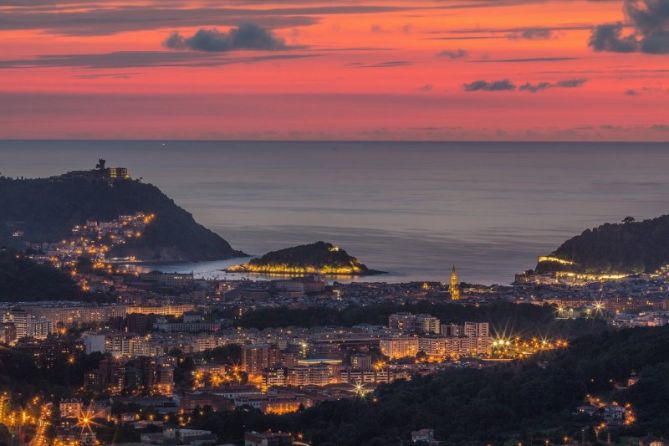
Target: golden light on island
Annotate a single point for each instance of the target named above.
(315, 258)
(287, 269)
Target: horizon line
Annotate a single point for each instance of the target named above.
(347, 141)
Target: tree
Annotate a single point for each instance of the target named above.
(628, 220)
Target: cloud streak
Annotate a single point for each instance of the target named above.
(532, 34)
(526, 60)
(131, 59)
(384, 64)
(104, 18)
(454, 54)
(481, 85)
(507, 85)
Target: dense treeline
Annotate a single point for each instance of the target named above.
(505, 318)
(21, 279)
(628, 247)
(47, 209)
(527, 401)
(50, 370)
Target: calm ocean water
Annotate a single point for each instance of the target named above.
(412, 209)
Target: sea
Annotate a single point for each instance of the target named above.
(412, 209)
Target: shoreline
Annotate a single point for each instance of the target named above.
(304, 274)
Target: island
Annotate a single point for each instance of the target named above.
(611, 251)
(38, 213)
(315, 258)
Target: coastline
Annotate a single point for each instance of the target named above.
(270, 273)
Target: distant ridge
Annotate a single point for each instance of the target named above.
(46, 210)
(629, 247)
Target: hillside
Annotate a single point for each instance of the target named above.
(532, 402)
(629, 247)
(21, 279)
(320, 258)
(47, 209)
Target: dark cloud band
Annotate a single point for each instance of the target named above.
(248, 36)
(507, 85)
(649, 20)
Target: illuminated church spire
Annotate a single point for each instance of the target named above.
(454, 287)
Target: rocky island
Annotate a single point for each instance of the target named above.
(315, 258)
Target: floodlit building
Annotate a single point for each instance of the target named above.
(454, 286)
(399, 346)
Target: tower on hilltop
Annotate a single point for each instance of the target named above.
(454, 288)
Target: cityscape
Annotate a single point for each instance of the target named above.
(147, 356)
(334, 223)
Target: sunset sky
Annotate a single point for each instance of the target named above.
(335, 69)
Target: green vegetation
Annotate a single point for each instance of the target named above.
(319, 257)
(528, 401)
(21, 279)
(505, 318)
(47, 209)
(48, 369)
(627, 247)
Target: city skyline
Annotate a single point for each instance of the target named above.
(372, 70)
(334, 222)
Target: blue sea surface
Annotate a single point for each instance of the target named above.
(412, 209)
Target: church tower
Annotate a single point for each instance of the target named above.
(454, 288)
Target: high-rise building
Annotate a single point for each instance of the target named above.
(454, 288)
(483, 329)
(39, 328)
(403, 322)
(7, 332)
(414, 323)
(468, 339)
(426, 323)
(19, 318)
(451, 330)
(256, 357)
(399, 346)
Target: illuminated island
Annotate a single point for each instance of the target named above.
(315, 258)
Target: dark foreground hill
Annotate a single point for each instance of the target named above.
(529, 402)
(627, 248)
(21, 279)
(47, 209)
